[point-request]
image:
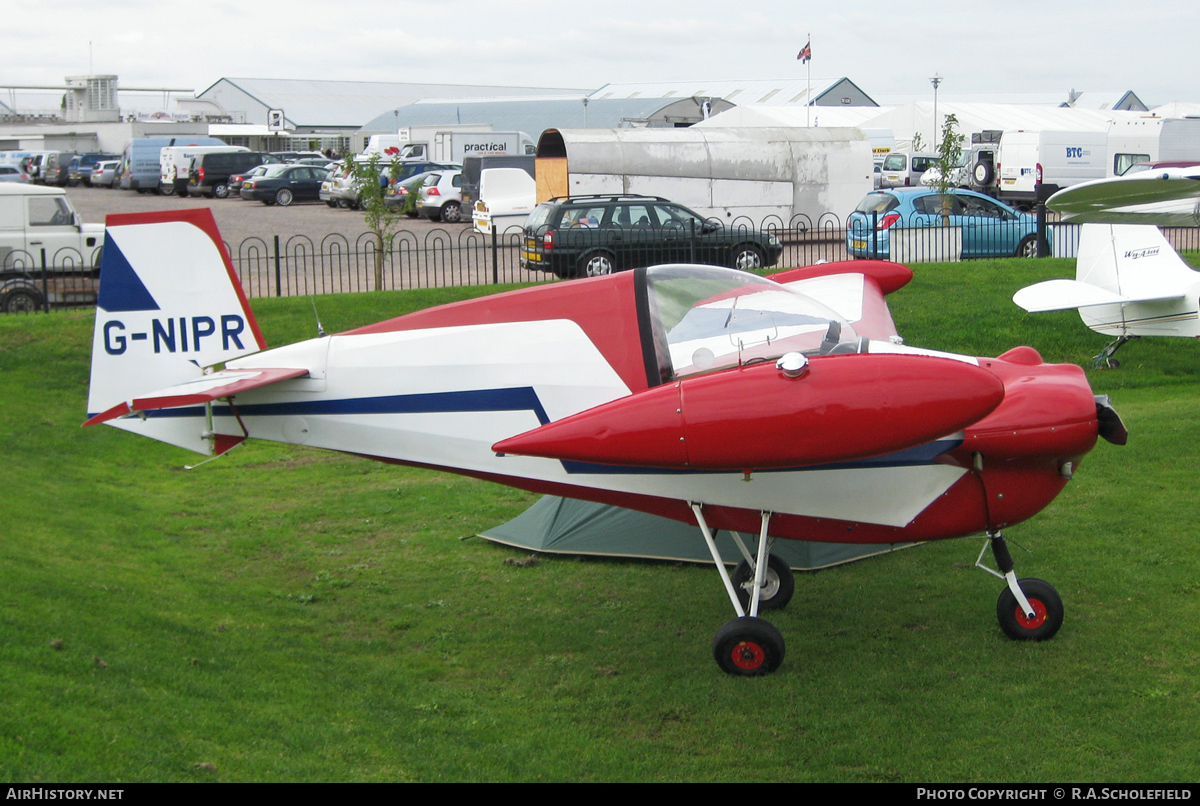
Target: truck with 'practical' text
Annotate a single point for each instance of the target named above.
(455, 146)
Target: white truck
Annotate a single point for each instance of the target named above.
(37, 220)
(1152, 139)
(174, 162)
(454, 147)
(1026, 159)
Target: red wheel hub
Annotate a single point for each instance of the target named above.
(1039, 615)
(748, 655)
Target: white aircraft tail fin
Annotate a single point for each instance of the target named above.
(1117, 264)
(170, 306)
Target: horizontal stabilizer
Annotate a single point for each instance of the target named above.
(206, 389)
(1062, 295)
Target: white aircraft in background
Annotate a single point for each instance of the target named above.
(1166, 195)
(1129, 282)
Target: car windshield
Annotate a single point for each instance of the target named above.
(276, 170)
(706, 319)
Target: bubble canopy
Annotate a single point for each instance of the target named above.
(706, 318)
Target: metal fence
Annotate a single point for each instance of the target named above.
(298, 265)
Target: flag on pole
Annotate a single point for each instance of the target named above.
(805, 52)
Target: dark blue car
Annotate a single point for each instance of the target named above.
(989, 228)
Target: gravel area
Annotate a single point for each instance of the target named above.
(239, 219)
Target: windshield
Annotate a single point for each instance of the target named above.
(707, 319)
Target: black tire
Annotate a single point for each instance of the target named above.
(595, 264)
(284, 197)
(451, 212)
(1047, 606)
(1027, 247)
(343, 204)
(746, 257)
(168, 189)
(21, 300)
(221, 191)
(748, 647)
(331, 203)
(778, 587)
(983, 174)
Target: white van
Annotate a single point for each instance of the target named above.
(904, 168)
(1026, 159)
(174, 162)
(35, 218)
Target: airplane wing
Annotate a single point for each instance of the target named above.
(1165, 196)
(853, 288)
(224, 383)
(1061, 295)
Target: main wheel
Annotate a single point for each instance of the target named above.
(748, 647)
(1027, 247)
(451, 212)
(221, 191)
(778, 586)
(283, 197)
(595, 264)
(331, 203)
(1047, 612)
(168, 189)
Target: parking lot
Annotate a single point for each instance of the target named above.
(239, 219)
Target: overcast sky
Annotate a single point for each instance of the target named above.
(887, 48)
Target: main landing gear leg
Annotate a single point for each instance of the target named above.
(747, 645)
(1105, 359)
(1028, 609)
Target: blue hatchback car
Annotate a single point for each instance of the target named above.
(989, 228)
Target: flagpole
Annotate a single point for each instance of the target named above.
(808, 90)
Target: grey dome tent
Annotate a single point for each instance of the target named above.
(565, 526)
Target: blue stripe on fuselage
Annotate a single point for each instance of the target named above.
(523, 398)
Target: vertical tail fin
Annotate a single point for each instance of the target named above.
(169, 306)
(1134, 261)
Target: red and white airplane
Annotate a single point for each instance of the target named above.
(788, 409)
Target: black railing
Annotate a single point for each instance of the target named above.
(299, 266)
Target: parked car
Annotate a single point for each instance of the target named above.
(79, 170)
(237, 180)
(397, 194)
(284, 184)
(12, 173)
(441, 196)
(104, 174)
(990, 228)
(585, 236)
(209, 173)
(55, 168)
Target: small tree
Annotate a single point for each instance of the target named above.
(918, 142)
(949, 151)
(370, 178)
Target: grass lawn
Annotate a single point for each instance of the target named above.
(284, 614)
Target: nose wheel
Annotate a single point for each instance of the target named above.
(1028, 609)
